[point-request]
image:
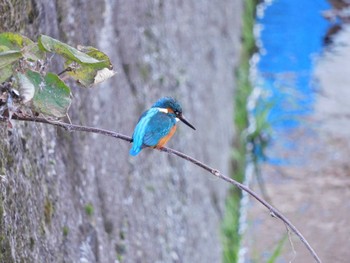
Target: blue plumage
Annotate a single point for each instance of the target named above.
(168, 102)
(156, 125)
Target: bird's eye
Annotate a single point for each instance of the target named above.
(177, 113)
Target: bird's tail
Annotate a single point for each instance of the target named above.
(135, 151)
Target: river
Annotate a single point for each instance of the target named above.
(303, 87)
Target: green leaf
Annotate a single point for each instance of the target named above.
(33, 52)
(50, 44)
(91, 74)
(96, 54)
(4, 48)
(51, 96)
(54, 99)
(7, 58)
(13, 41)
(5, 73)
(88, 65)
(26, 87)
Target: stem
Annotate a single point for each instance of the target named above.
(273, 211)
(64, 71)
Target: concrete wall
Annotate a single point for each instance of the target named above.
(149, 208)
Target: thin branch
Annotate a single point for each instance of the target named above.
(65, 70)
(72, 127)
(273, 211)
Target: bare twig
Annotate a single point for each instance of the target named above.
(65, 70)
(273, 211)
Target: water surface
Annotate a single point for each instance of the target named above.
(290, 38)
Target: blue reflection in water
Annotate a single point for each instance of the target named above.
(292, 33)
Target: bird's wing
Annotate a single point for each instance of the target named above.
(159, 126)
(140, 129)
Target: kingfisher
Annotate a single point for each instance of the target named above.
(157, 125)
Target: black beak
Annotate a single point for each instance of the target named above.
(183, 119)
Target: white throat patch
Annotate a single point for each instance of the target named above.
(163, 110)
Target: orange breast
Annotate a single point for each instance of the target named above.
(166, 138)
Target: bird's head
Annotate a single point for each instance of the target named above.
(171, 106)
